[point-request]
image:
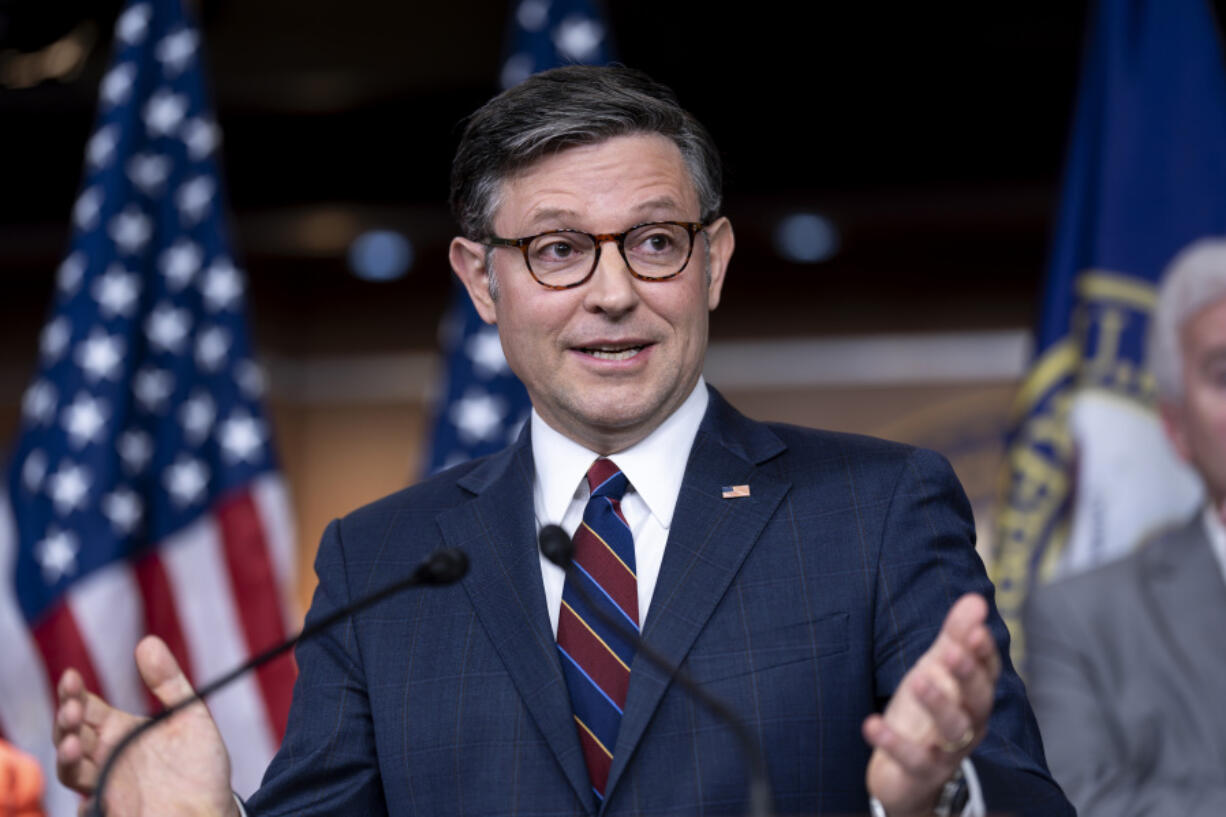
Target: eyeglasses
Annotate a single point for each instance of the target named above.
(563, 259)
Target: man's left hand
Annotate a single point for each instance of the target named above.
(937, 716)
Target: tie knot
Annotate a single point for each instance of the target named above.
(606, 479)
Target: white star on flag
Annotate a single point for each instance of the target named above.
(68, 487)
(101, 145)
(53, 340)
(212, 346)
(149, 171)
(477, 416)
(197, 415)
(167, 328)
(84, 419)
(116, 292)
(532, 14)
(176, 50)
(180, 262)
(201, 137)
(186, 480)
(85, 210)
(241, 437)
(133, 24)
(117, 84)
(57, 554)
(484, 349)
(135, 449)
(515, 70)
(250, 379)
(124, 508)
(153, 388)
(33, 470)
(68, 276)
(38, 404)
(164, 113)
(222, 285)
(194, 197)
(99, 355)
(578, 37)
(131, 230)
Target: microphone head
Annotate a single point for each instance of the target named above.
(556, 545)
(443, 566)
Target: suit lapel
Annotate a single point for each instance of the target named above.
(1183, 585)
(497, 529)
(708, 541)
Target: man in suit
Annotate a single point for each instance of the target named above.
(1126, 662)
(806, 578)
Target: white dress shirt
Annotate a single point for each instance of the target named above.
(654, 467)
(1215, 530)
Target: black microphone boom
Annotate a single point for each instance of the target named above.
(442, 567)
(558, 548)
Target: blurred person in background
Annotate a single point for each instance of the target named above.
(1126, 663)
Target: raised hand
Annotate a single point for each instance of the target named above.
(937, 716)
(180, 767)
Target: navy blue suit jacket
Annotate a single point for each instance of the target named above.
(801, 605)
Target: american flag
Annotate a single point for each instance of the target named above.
(142, 494)
(483, 405)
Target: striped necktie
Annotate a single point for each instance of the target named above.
(595, 658)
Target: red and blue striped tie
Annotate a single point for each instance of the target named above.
(595, 657)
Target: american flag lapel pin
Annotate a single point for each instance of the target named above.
(734, 491)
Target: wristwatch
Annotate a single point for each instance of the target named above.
(951, 802)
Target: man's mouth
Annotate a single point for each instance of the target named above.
(612, 352)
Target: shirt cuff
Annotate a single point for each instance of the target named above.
(975, 807)
(242, 811)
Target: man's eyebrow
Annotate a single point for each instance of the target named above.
(555, 214)
(658, 203)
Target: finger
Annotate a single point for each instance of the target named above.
(953, 725)
(913, 757)
(967, 612)
(73, 767)
(160, 671)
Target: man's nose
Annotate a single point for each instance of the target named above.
(612, 287)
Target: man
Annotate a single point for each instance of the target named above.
(1126, 662)
(801, 576)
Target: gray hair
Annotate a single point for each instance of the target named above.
(1195, 279)
(567, 107)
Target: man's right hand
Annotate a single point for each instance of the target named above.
(180, 767)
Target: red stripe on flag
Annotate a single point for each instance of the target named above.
(258, 599)
(161, 616)
(60, 642)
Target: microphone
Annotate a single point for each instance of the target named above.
(557, 547)
(442, 567)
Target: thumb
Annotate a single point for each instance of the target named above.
(160, 671)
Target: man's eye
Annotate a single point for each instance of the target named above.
(554, 249)
(655, 243)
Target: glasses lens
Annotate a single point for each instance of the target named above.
(561, 258)
(658, 250)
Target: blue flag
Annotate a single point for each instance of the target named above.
(1088, 472)
(142, 495)
(483, 405)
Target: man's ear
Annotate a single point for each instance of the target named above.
(722, 242)
(468, 263)
(1175, 428)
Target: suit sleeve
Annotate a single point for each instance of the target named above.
(1083, 738)
(927, 562)
(327, 763)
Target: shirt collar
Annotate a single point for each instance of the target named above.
(1215, 531)
(654, 466)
